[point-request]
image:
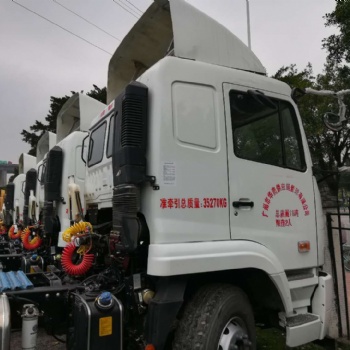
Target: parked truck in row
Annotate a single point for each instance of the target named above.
(197, 213)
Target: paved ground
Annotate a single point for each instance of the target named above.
(44, 342)
(268, 339)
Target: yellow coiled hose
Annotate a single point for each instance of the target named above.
(75, 230)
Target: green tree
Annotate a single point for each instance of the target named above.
(329, 150)
(338, 45)
(38, 128)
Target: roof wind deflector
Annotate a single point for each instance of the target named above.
(76, 114)
(146, 43)
(195, 35)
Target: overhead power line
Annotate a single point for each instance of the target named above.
(125, 9)
(128, 7)
(59, 26)
(134, 6)
(86, 20)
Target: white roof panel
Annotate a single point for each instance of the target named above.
(25, 163)
(45, 143)
(194, 36)
(76, 114)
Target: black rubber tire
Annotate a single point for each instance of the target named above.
(207, 314)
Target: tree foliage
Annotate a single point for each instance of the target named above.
(338, 45)
(38, 128)
(328, 149)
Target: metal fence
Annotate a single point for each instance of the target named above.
(338, 251)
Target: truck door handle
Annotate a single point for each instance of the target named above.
(240, 203)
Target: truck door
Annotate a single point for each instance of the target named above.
(270, 178)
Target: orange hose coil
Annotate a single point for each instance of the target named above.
(13, 235)
(75, 269)
(30, 244)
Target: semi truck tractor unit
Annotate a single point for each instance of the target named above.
(200, 176)
(68, 168)
(188, 211)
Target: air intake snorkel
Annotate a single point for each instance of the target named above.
(9, 203)
(129, 162)
(52, 188)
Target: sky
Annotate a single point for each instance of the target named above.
(38, 59)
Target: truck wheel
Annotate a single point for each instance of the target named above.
(219, 317)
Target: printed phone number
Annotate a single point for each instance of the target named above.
(192, 203)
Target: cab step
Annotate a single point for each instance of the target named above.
(301, 328)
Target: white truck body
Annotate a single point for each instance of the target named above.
(73, 122)
(222, 203)
(99, 177)
(25, 163)
(45, 143)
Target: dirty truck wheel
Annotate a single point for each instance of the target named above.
(219, 317)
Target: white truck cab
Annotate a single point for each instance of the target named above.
(25, 163)
(202, 170)
(65, 173)
(46, 142)
(99, 177)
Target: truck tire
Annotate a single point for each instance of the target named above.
(219, 317)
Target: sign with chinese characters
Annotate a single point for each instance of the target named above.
(193, 203)
(284, 216)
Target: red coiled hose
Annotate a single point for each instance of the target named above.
(12, 234)
(30, 244)
(71, 268)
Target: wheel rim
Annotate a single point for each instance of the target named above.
(234, 336)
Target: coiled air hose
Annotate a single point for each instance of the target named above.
(75, 269)
(13, 235)
(2, 228)
(74, 230)
(30, 244)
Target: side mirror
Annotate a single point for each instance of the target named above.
(333, 121)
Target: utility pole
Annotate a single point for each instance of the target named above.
(248, 25)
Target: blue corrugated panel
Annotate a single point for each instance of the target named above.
(4, 283)
(25, 282)
(14, 281)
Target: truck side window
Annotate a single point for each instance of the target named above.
(260, 141)
(292, 139)
(43, 173)
(266, 135)
(110, 137)
(96, 146)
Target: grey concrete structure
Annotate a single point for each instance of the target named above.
(4, 170)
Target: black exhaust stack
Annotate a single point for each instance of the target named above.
(52, 188)
(9, 204)
(129, 162)
(30, 185)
